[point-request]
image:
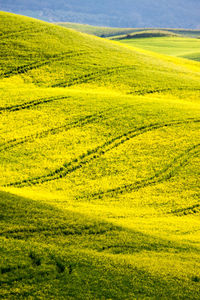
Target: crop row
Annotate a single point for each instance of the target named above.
(166, 173)
(55, 130)
(30, 104)
(154, 91)
(34, 65)
(16, 33)
(187, 210)
(95, 153)
(92, 76)
(57, 230)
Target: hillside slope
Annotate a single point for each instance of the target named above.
(56, 57)
(99, 167)
(175, 42)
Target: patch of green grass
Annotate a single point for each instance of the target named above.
(99, 166)
(176, 46)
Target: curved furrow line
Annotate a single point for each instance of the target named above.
(95, 153)
(91, 76)
(146, 92)
(55, 130)
(85, 78)
(16, 33)
(31, 230)
(187, 210)
(11, 33)
(165, 174)
(89, 230)
(30, 104)
(25, 68)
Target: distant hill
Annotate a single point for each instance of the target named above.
(112, 32)
(127, 13)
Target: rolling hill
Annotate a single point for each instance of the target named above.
(99, 167)
(176, 42)
(118, 32)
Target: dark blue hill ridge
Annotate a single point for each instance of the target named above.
(126, 13)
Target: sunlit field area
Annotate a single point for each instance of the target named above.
(99, 164)
(177, 46)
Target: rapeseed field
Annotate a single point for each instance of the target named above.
(99, 143)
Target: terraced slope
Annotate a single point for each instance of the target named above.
(99, 166)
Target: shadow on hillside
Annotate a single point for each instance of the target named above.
(26, 219)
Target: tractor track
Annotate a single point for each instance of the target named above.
(55, 130)
(194, 209)
(35, 65)
(165, 174)
(95, 153)
(30, 104)
(92, 76)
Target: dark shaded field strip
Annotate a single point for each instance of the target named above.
(145, 92)
(30, 104)
(21, 277)
(165, 174)
(34, 65)
(56, 230)
(91, 76)
(30, 138)
(5, 270)
(95, 153)
(10, 282)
